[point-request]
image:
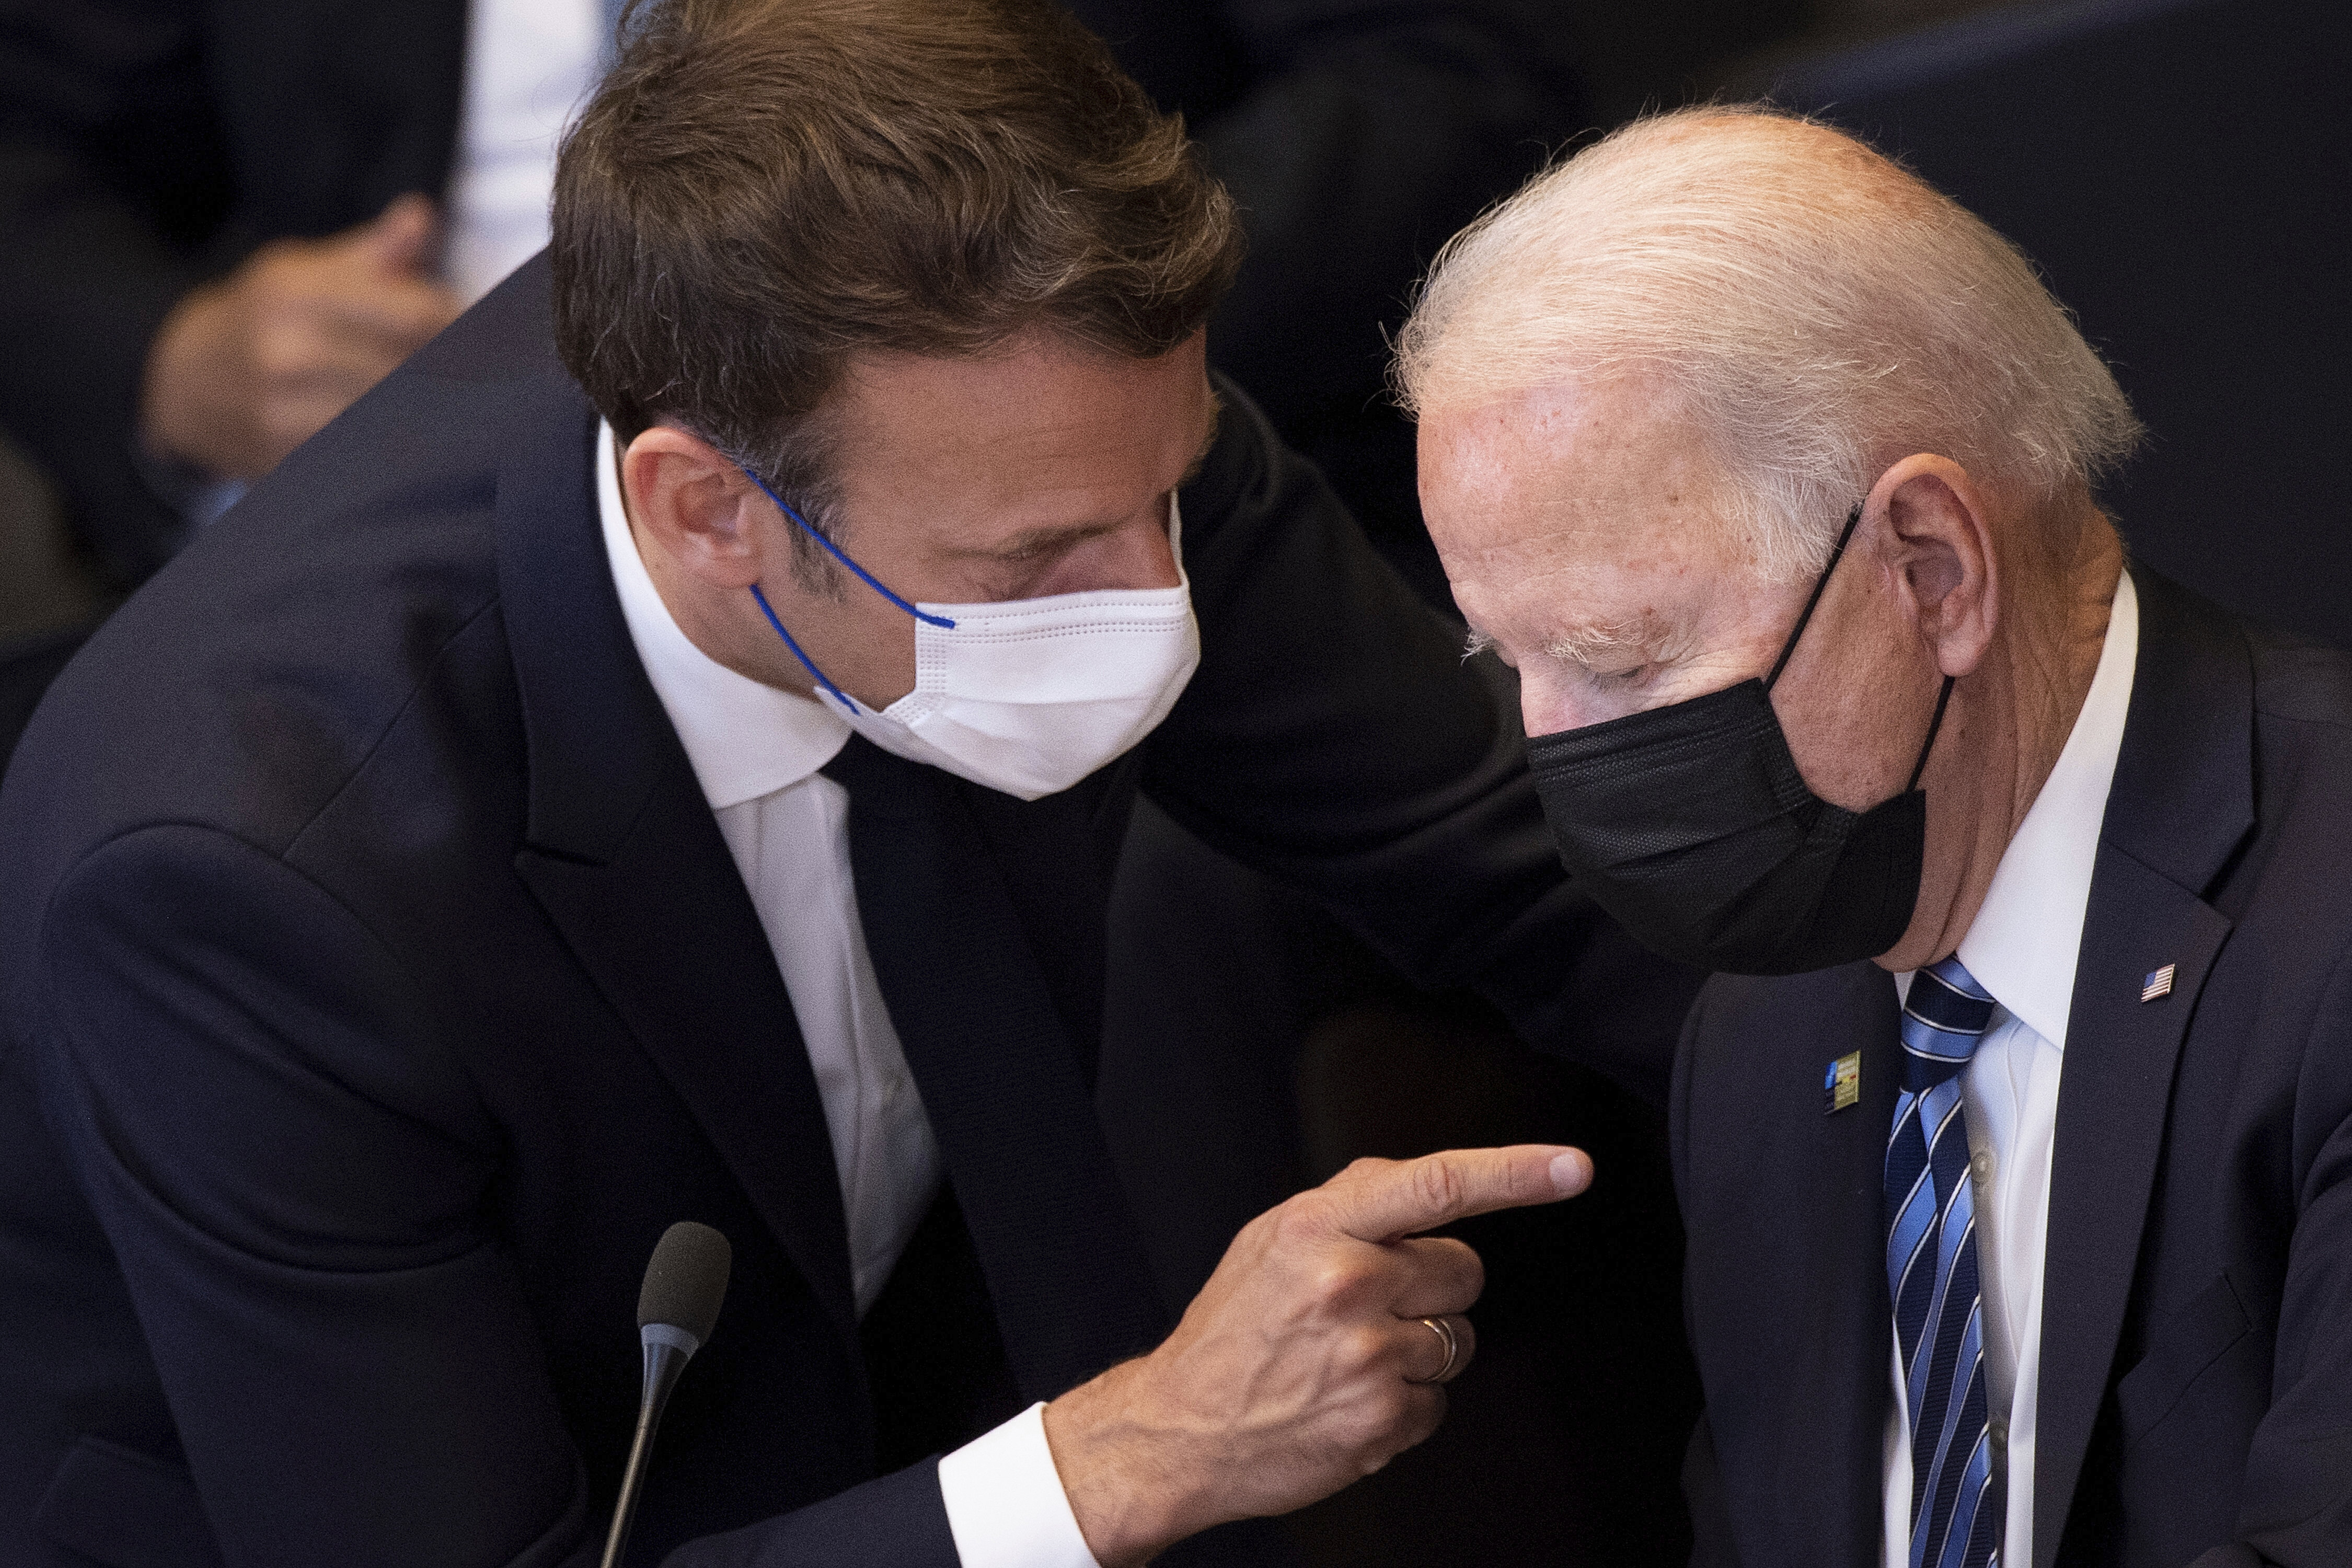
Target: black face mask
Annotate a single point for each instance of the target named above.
(1691, 825)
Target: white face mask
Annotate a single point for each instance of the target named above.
(1028, 696)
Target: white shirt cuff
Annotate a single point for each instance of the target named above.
(1005, 1504)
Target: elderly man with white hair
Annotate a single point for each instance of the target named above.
(2014, 1134)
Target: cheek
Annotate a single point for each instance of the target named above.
(1855, 731)
(1541, 711)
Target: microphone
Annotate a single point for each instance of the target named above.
(685, 1282)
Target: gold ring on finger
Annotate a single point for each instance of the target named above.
(1444, 1330)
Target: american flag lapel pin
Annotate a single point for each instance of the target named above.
(2158, 984)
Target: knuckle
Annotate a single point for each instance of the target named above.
(1371, 1426)
(283, 279)
(1450, 1268)
(1437, 1186)
(281, 353)
(1354, 1438)
(1336, 1284)
(1295, 1219)
(1285, 1231)
(1361, 1349)
(1474, 1274)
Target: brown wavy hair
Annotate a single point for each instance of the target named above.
(764, 189)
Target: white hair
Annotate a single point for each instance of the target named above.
(1815, 311)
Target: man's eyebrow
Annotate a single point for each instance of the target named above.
(1038, 540)
(1605, 645)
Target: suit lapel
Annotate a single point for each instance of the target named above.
(1785, 1278)
(2181, 803)
(623, 853)
(1853, 1308)
(1000, 1076)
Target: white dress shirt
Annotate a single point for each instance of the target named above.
(756, 752)
(528, 64)
(2022, 948)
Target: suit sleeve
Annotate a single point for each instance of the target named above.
(2297, 1502)
(103, 137)
(1335, 738)
(296, 1176)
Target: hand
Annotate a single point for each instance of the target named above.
(1293, 1372)
(247, 369)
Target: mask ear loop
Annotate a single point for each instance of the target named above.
(1943, 701)
(807, 663)
(1836, 553)
(834, 549)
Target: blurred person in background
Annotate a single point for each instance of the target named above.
(224, 223)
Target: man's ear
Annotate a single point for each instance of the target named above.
(695, 506)
(1939, 536)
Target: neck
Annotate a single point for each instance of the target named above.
(2010, 720)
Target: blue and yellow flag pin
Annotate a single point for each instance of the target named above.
(1842, 1087)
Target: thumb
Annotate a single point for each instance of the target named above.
(400, 237)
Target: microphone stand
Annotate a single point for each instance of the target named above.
(666, 1350)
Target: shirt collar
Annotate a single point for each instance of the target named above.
(2024, 941)
(745, 739)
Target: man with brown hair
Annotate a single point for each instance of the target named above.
(536, 818)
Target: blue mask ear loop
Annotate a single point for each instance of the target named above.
(863, 576)
(834, 551)
(806, 662)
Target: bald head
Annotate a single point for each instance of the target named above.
(1808, 311)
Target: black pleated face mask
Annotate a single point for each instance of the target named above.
(1691, 825)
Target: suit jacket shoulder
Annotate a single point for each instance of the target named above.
(2201, 1191)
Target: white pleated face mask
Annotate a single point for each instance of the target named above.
(1027, 696)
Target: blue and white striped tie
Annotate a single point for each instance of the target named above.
(1959, 1505)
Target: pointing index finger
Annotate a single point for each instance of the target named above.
(1414, 1195)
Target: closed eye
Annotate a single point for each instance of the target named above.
(1046, 544)
(1615, 655)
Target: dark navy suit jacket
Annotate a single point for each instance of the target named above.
(378, 987)
(2196, 1396)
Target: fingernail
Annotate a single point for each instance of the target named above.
(1571, 1172)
